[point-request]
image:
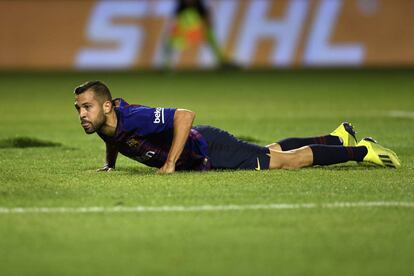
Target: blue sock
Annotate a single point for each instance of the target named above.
(327, 155)
(295, 143)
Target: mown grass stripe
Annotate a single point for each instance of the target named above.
(203, 208)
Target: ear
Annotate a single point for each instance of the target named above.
(107, 107)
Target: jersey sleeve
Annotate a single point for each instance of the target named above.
(147, 120)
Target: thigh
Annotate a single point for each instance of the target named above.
(228, 152)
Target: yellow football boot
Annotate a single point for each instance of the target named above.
(346, 133)
(379, 155)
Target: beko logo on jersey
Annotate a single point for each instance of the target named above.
(159, 115)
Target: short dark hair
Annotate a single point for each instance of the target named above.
(99, 88)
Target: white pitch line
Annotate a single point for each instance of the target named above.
(206, 208)
(402, 114)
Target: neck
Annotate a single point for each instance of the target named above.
(109, 127)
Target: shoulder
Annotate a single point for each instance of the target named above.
(137, 111)
(126, 110)
(121, 104)
(135, 117)
(144, 119)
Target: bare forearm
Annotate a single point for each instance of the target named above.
(183, 121)
(111, 155)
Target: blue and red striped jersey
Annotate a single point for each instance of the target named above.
(145, 134)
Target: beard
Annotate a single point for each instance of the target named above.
(92, 127)
(90, 130)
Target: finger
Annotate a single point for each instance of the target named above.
(161, 171)
(104, 169)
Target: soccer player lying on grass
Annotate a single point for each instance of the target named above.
(165, 138)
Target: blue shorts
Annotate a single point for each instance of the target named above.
(227, 152)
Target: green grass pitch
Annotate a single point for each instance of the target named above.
(259, 106)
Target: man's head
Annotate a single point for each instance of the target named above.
(93, 102)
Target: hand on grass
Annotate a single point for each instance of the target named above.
(168, 167)
(105, 169)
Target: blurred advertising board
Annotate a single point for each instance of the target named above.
(128, 34)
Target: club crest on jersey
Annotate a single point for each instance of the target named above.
(133, 142)
(159, 115)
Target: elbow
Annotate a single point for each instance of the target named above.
(191, 115)
(186, 115)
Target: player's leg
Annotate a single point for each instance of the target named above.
(168, 38)
(294, 159)
(228, 152)
(168, 51)
(214, 45)
(344, 135)
(205, 14)
(225, 151)
(367, 150)
(314, 155)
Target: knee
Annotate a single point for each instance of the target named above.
(274, 146)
